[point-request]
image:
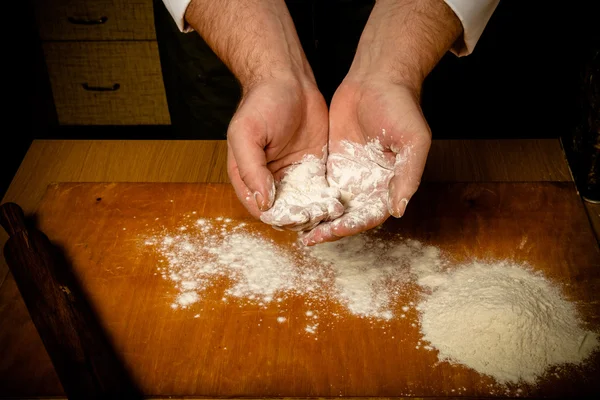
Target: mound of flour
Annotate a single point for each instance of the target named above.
(498, 318)
(502, 320)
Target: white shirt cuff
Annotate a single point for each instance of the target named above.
(474, 16)
(177, 10)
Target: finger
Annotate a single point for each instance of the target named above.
(303, 198)
(327, 209)
(320, 234)
(241, 190)
(320, 211)
(316, 213)
(367, 216)
(285, 216)
(408, 170)
(370, 214)
(335, 208)
(302, 218)
(338, 229)
(247, 139)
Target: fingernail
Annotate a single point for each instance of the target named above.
(389, 204)
(402, 206)
(271, 198)
(398, 211)
(260, 201)
(305, 240)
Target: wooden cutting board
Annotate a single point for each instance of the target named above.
(242, 351)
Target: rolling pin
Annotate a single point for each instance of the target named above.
(83, 356)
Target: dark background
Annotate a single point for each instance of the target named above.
(522, 81)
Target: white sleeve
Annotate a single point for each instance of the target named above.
(177, 10)
(474, 16)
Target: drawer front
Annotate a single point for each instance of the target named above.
(95, 19)
(107, 83)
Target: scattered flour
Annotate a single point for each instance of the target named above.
(367, 271)
(259, 277)
(194, 262)
(360, 272)
(502, 320)
(187, 298)
(311, 328)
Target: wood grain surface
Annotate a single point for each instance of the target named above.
(50, 161)
(204, 161)
(224, 352)
(83, 357)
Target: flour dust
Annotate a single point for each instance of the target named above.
(498, 318)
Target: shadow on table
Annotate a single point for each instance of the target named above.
(81, 350)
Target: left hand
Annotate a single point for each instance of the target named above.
(378, 145)
(279, 123)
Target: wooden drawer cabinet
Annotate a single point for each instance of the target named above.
(95, 19)
(103, 63)
(106, 83)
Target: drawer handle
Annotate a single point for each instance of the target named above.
(87, 21)
(112, 88)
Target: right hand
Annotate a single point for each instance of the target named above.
(378, 144)
(278, 122)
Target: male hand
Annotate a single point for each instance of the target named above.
(280, 127)
(278, 132)
(378, 145)
(378, 137)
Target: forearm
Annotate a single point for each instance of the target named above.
(404, 39)
(254, 38)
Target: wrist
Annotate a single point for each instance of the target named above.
(381, 70)
(296, 76)
(294, 80)
(382, 78)
(404, 39)
(257, 42)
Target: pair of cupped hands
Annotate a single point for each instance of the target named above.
(283, 118)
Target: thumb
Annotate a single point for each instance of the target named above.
(247, 141)
(408, 170)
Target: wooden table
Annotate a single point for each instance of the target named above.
(204, 161)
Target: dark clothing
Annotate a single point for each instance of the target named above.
(521, 80)
(203, 94)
